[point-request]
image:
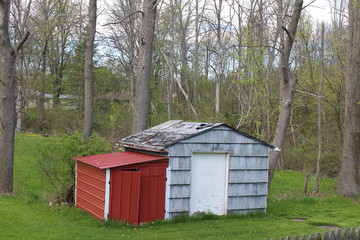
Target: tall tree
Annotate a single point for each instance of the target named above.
(184, 23)
(219, 56)
(8, 55)
(196, 51)
(348, 185)
(287, 85)
(88, 71)
(142, 92)
(319, 123)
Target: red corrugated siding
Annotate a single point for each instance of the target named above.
(125, 195)
(138, 192)
(152, 201)
(90, 189)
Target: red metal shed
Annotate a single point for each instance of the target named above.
(128, 186)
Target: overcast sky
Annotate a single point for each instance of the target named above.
(319, 10)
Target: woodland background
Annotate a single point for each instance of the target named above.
(213, 61)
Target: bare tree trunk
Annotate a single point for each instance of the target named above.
(318, 161)
(171, 62)
(7, 100)
(219, 58)
(306, 182)
(183, 27)
(20, 100)
(196, 52)
(132, 49)
(287, 88)
(88, 72)
(348, 185)
(59, 71)
(41, 120)
(19, 109)
(142, 94)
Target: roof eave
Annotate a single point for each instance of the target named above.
(143, 147)
(249, 136)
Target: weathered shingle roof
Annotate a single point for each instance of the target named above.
(161, 136)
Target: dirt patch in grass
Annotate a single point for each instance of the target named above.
(297, 219)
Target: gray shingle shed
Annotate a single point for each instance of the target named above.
(212, 167)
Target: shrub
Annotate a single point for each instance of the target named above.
(57, 164)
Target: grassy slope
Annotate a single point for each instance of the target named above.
(25, 216)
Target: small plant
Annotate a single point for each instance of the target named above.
(57, 164)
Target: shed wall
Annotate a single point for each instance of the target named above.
(90, 189)
(248, 170)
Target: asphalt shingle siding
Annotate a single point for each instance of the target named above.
(248, 169)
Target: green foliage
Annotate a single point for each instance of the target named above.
(62, 120)
(25, 215)
(56, 162)
(30, 118)
(112, 119)
(58, 119)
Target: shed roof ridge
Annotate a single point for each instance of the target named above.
(169, 133)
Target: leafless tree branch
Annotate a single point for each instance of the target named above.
(21, 43)
(287, 32)
(122, 20)
(309, 4)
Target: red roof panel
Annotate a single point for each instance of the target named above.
(118, 159)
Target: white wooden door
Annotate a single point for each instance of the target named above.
(209, 181)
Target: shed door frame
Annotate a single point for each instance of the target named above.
(205, 182)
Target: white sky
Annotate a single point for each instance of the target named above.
(319, 10)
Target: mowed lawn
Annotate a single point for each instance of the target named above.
(28, 216)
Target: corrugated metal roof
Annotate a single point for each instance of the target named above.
(161, 136)
(117, 159)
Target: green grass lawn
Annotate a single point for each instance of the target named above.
(27, 216)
